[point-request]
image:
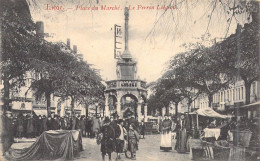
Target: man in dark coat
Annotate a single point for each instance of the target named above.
(56, 124)
(7, 134)
(62, 123)
(73, 123)
(39, 125)
(83, 125)
(44, 123)
(20, 128)
(132, 120)
(25, 117)
(107, 142)
(88, 126)
(51, 123)
(77, 127)
(142, 129)
(31, 126)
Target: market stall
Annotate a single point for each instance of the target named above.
(51, 145)
(207, 146)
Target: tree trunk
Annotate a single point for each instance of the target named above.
(96, 110)
(48, 100)
(188, 107)
(210, 98)
(189, 104)
(6, 95)
(86, 106)
(176, 109)
(72, 105)
(167, 110)
(247, 91)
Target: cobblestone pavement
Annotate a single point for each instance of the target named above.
(149, 150)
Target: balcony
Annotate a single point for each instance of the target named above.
(131, 84)
(22, 99)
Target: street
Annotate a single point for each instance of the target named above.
(149, 149)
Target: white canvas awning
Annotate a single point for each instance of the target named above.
(40, 112)
(252, 104)
(209, 112)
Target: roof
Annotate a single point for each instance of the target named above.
(126, 55)
(209, 112)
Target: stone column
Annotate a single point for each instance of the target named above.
(139, 113)
(145, 112)
(118, 107)
(106, 105)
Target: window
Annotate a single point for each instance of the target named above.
(224, 96)
(238, 93)
(233, 94)
(254, 88)
(242, 93)
(230, 95)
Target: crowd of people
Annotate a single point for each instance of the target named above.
(30, 125)
(114, 135)
(118, 135)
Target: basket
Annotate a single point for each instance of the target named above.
(242, 138)
(221, 153)
(195, 143)
(197, 154)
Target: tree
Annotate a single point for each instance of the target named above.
(167, 92)
(199, 69)
(153, 104)
(18, 44)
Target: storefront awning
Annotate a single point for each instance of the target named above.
(209, 112)
(252, 105)
(41, 112)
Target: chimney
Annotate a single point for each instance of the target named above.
(40, 29)
(68, 43)
(75, 50)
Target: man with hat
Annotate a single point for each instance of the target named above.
(107, 141)
(7, 134)
(132, 120)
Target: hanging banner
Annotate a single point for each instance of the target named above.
(118, 42)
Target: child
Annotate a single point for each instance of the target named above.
(133, 139)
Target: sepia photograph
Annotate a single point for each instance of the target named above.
(119, 80)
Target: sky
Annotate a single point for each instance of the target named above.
(155, 36)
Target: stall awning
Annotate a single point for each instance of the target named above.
(22, 111)
(209, 112)
(41, 112)
(252, 105)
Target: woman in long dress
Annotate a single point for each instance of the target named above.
(166, 136)
(181, 142)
